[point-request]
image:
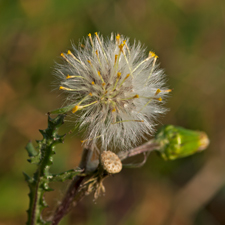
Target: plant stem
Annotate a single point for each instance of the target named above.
(147, 147)
(63, 208)
(74, 189)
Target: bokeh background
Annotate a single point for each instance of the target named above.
(187, 35)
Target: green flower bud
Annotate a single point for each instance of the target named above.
(177, 142)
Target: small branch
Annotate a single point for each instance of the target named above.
(147, 147)
(138, 165)
(86, 157)
(72, 190)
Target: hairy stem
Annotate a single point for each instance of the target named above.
(38, 184)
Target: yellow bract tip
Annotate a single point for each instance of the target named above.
(118, 74)
(90, 94)
(116, 56)
(89, 61)
(89, 35)
(75, 109)
(124, 41)
(96, 52)
(92, 82)
(152, 54)
(117, 36)
(69, 52)
(136, 96)
(114, 110)
(62, 54)
(68, 76)
(160, 99)
(158, 91)
(65, 88)
(127, 76)
(96, 33)
(103, 84)
(99, 73)
(121, 47)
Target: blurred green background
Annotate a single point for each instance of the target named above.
(187, 35)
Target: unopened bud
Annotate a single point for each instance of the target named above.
(177, 142)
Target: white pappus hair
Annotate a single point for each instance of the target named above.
(118, 90)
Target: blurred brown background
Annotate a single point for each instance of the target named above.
(187, 35)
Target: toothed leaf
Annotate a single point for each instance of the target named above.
(39, 183)
(62, 110)
(30, 149)
(70, 174)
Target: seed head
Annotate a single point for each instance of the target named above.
(118, 91)
(110, 162)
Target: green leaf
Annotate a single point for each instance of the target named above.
(62, 110)
(28, 178)
(70, 174)
(30, 149)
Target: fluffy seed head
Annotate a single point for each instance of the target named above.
(117, 89)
